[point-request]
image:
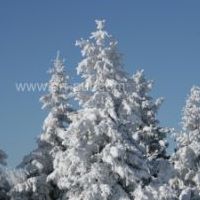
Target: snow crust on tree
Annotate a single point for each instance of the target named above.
(155, 192)
(102, 160)
(39, 163)
(32, 188)
(187, 157)
(162, 186)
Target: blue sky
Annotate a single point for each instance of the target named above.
(162, 37)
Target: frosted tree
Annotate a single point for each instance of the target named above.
(4, 186)
(57, 101)
(146, 129)
(3, 157)
(151, 136)
(187, 156)
(39, 163)
(8, 178)
(102, 161)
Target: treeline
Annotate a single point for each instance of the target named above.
(112, 147)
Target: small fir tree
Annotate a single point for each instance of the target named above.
(187, 156)
(39, 163)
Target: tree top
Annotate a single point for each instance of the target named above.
(100, 24)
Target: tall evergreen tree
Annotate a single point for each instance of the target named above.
(187, 157)
(102, 160)
(39, 163)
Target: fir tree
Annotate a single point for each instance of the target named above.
(3, 157)
(39, 163)
(146, 130)
(151, 136)
(187, 157)
(4, 186)
(102, 160)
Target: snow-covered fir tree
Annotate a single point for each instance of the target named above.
(151, 136)
(102, 161)
(146, 130)
(8, 178)
(3, 157)
(149, 133)
(187, 156)
(39, 163)
(4, 186)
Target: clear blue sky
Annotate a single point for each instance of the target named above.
(162, 37)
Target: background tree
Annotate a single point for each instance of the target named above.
(4, 186)
(145, 129)
(39, 163)
(3, 157)
(149, 133)
(151, 136)
(187, 157)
